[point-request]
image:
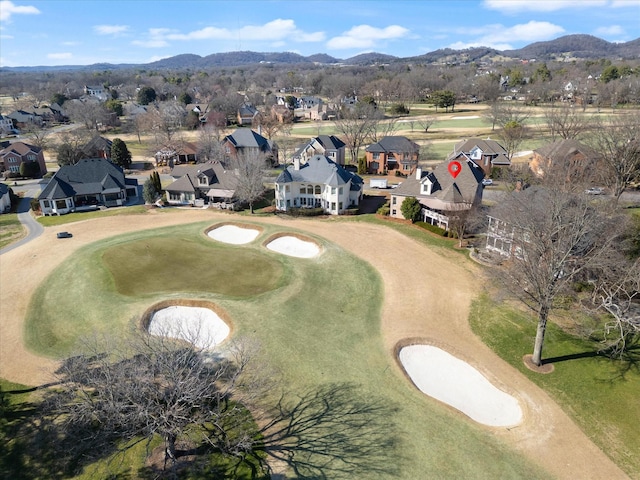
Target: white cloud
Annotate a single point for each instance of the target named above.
(611, 30)
(59, 56)
(366, 36)
(276, 30)
(110, 29)
(502, 38)
(513, 6)
(7, 9)
(625, 3)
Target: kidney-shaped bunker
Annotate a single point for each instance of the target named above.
(454, 382)
(198, 325)
(294, 246)
(233, 234)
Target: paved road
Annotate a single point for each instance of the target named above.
(34, 229)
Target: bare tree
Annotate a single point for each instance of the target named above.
(512, 134)
(209, 146)
(556, 235)
(463, 219)
(425, 123)
(91, 114)
(38, 135)
(501, 113)
(250, 167)
(618, 144)
(356, 125)
(133, 391)
(384, 128)
(565, 121)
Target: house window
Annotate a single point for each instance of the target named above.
(14, 168)
(174, 196)
(340, 206)
(393, 200)
(393, 212)
(287, 189)
(46, 204)
(61, 204)
(340, 190)
(31, 157)
(333, 205)
(376, 156)
(318, 190)
(203, 181)
(333, 190)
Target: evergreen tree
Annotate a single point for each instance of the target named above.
(120, 154)
(411, 209)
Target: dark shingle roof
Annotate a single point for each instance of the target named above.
(188, 181)
(88, 176)
(488, 146)
(330, 142)
(564, 149)
(394, 144)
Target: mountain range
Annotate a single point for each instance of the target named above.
(568, 46)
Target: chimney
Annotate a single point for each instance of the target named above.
(296, 163)
(418, 173)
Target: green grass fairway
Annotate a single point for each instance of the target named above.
(601, 395)
(319, 327)
(148, 266)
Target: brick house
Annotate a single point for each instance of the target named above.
(576, 159)
(392, 153)
(16, 153)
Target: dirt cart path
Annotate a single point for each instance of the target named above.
(427, 297)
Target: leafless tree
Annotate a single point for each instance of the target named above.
(250, 167)
(356, 125)
(39, 135)
(618, 144)
(425, 123)
(512, 134)
(384, 128)
(208, 143)
(502, 113)
(617, 291)
(130, 392)
(464, 219)
(556, 236)
(565, 121)
(91, 114)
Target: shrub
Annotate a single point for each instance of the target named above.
(305, 212)
(432, 228)
(398, 109)
(384, 210)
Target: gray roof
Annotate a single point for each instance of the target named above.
(394, 144)
(330, 142)
(319, 169)
(247, 138)
(446, 190)
(564, 149)
(488, 146)
(4, 190)
(219, 178)
(87, 177)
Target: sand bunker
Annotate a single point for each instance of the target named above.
(454, 382)
(200, 326)
(294, 247)
(233, 234)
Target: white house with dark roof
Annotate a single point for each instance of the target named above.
(319, 183)
(328, 145)
(87, 185)
(485, 153)
(452, 186)
(202, 183)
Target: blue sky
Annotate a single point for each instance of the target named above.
(75, 32)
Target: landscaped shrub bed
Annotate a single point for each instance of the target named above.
(432, 228)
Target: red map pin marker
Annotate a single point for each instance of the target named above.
(454, 168)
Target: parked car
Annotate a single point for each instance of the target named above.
(594, 191)
(64, 235)
(487, 182)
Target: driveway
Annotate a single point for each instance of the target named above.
(34, 229)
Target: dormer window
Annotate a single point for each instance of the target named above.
(203, 180)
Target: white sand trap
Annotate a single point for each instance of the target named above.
(294, 247)
(454, 382)
(470, 117)
(233, 234)
(200, 326)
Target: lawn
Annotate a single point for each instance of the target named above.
(57, 220)
(11, 229)
(319, 328)
(600, 394)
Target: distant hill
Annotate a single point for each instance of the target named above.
(572, 46)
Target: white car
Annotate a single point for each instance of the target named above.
(487, 182)
(594, 191)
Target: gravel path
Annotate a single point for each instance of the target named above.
(427, 297)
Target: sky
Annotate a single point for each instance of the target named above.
(84, 32)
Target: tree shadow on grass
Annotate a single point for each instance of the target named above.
(332, 432)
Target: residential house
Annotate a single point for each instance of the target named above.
(319, 183)
(245, 141)
(282, 113)
(186, 152)
(452, 186)
(16, 153)
(6, 125)
(320, 112)
(97, 91)
(392, 153)
(501, 237)
(247, 114)
(484, 153)
(305, 103)
(328, 145)
(97, 147)
(22, 118)
(5, 198)
(576, 159)
(203, 183)
(87, 185)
